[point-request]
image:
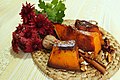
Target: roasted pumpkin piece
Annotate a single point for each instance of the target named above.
(89, 41)
(87, 26)
(63, 57)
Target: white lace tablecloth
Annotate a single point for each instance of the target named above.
(21, 66)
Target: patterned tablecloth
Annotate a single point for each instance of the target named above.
(21, 66)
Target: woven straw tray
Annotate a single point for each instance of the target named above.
(41, 58)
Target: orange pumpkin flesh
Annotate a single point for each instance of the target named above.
(89, 41)
(64, 59)
(94, 29)
(63, 32)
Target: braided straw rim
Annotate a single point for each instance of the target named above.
(41, 58)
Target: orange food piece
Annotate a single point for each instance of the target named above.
(87, 41)
(64, 58)
(91, 28)
(65, 32)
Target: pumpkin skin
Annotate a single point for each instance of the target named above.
(67, 59)
(85, 40)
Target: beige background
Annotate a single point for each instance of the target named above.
(21, 66)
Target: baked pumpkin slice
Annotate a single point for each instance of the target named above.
(64, 56)
(89, 41)
(87, 26)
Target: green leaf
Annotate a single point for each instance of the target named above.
(54, 10)
(60, 14)
(41, 4)
(51, 14)
(37, 12)
(61, 6)
(54, 2)
(48, 5)
(59, 17)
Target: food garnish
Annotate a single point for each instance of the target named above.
(106, 47)
(94, 63)
(54, 10)
(83, 67)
